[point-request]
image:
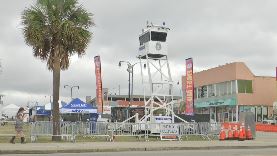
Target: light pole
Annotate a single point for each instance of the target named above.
(71, 88)
(130, 70)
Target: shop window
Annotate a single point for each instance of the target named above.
(203, 92)
(205, 111)
(234, 115)
(259, 114)
(228, 88)
(211, 91)
(198, 92)
(234, 87)
(224, 88)
(195, 93)
(221, 89)
(217, 86)
(245, 86)
(246, 108)
(212, 114)
(265, 113)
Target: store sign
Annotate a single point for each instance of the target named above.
(217, 102)
(189, 87)
(169, 131)
(107, 110)
(99, 98)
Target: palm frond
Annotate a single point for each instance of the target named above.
(57, 23)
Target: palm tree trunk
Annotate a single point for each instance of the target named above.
(56, 94)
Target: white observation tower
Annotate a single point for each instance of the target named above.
(157, 81)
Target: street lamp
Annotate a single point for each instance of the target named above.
(130, 70)
(71, 87)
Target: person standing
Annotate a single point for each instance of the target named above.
(19, 126)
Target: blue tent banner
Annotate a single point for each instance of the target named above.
(78, 106)
(41, 111)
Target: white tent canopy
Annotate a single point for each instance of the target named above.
(48, 106)
(10, 110)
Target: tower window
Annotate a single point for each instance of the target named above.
(158, 36)
(144, 38)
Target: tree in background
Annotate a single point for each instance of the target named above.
(56, 30)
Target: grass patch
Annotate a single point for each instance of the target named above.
(8, 130)
(197, 138)
(91, 139)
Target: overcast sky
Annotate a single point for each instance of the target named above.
(213, 32)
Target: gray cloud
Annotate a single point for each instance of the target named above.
(212, 32)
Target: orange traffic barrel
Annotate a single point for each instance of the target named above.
(222, 135)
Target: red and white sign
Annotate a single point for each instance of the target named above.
(99, 98)
(189, 87)
(107, 110)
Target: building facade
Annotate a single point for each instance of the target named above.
(225, 91)
(110, 101)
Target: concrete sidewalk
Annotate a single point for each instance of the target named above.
(46, 148)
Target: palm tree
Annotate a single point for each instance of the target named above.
(56, 30)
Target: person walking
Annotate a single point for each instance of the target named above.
(19, 126)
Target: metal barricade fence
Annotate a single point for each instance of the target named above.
(70, 130)
(215, 129)
(45, 128)
(91, 128)
(204, 129)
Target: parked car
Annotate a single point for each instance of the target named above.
(270, 122)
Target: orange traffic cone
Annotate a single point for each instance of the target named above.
(242, 133)
(243, 130)
(249, 135)
(236, 132)
(222, 134)
(230, 133)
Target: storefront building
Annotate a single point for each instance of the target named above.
(225, 91)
